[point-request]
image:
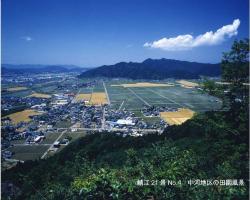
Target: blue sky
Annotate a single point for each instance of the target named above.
(90, 33)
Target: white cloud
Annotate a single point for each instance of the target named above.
(26, 38)
(184, 42)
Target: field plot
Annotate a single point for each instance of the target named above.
(28, 152)
(173, 97)
(187, 84)
(82, 97)
(121, 97)
(144, 84)
(85, 90)
(178, 117)
(98, 98)
(15, 89)
(50, 137)
(49, 89)
(40, 95)
(23, 116)
(21, 93)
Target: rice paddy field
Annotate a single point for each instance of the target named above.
(95, 95)
(14, 89)
(28, 152)
(82, 97)
(176, 96)
(40, 95)
(178, 117)
(98, 98)
(187, 84)
(23, 116)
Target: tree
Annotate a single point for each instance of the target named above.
(235, 69)
(235, 63)
(209, 86)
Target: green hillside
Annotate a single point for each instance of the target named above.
(108, 166)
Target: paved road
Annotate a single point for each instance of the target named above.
(116, 129)
(40, 144)
(46, 152)
(107, 95)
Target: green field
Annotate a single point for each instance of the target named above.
(28, 152)
(35, 151)
(173, 97)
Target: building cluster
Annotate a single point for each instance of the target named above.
(154, 111)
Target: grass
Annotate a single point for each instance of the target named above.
(63, 124)
(40, 95)
(50, 137)
(14, 89)
(23, 116)
(187, 84)
(74, 135)
(28, 152)
(177, 118)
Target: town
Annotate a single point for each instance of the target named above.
(45, 111)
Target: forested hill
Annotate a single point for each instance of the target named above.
(155, 69)
(107, 166)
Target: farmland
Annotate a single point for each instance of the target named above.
(187, 84)
(175, 97)
(23, 116)
(98, 98)
(82, 97)
(178, 117)
(144, 84)
(120, 96)
(40, 95)
(14, 89)
(28, 152)
(133, 95)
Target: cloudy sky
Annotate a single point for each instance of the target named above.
(95, 32)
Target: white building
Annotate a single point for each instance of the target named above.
(125, 122)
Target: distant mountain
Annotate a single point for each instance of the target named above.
(29, 68)
(155, 69)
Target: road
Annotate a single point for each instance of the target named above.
(107, 95)
(46, 152)
(103, 118)
(139, 97)
(115, 129)
(166, 98)
(121, 105)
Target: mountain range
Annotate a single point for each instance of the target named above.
(30, 68)
(154, 69)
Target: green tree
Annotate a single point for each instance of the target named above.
(209, 86)
(235, 69)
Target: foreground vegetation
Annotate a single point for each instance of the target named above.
(104, 166)
(211, 146)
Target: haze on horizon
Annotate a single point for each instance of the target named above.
(91, 33)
